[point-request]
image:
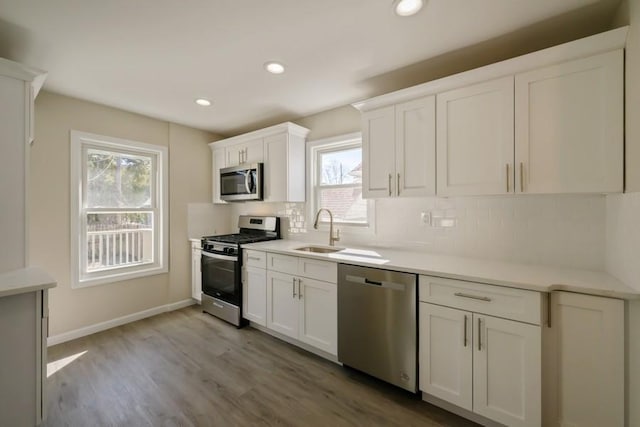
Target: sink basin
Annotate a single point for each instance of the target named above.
(318, 249)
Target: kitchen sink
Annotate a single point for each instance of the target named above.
(318, 249)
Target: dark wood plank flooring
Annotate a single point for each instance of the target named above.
(186, 368)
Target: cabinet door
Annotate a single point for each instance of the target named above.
(253, 151)
(569, 126)
(219, 162)
(284, 168)
(585, 363)
(282, 304)
(318, 314)
(446, 354)
(507, 371)
(233, 155)
(196, 275)
(378, 153)
(475, 139)
(254, 295)
(416, 147)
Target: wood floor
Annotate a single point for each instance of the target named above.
(186, 368)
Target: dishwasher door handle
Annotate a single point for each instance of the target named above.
(364, 281)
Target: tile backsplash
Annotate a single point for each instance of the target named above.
(555, 230)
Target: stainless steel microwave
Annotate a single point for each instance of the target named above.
(241, 183)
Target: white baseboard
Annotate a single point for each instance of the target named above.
(98, 327)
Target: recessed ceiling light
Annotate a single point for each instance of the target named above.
(203, 102)
(274, 67)
(407, 7)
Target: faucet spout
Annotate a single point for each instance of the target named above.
(332, 238)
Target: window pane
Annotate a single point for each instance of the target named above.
(341, 167)
(346, 204)
(116, 180)
(117, 240)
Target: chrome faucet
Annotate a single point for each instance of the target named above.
(332, 238)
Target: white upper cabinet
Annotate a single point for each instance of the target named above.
(416, 147)
(547, 122)
(282, 150)
(378, 152)
(475, 139)
(284, 168)
(245, 152)
(399, 149)
(569, 126)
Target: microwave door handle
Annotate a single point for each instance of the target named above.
(247, 174)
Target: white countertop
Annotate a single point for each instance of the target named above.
(25, 280)
(523, 276)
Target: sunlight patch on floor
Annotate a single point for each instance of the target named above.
(55, 366)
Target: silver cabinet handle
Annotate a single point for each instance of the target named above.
(521, 177)
(255, 258)
(479, 334)
(398, 184)
(507, 177)
(460, 294)
(390, 184)
(299, 288)
(239, 158)
(465, 330)
(294, 287)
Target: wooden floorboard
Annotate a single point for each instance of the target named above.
(187, 368)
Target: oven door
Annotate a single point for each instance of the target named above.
(241, 182)
(221, 277)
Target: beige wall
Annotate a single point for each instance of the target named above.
(339, 121)
(189, 161)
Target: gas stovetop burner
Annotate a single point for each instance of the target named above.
(239, 238)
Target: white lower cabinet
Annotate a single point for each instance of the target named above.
(304, 309)
(484, 364)
(585, 362)
(254, 295)
(299, 298)
(196, 275)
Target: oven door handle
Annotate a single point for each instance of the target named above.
(217, 256)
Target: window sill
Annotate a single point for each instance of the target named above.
(120, 277)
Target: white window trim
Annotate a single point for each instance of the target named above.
(323, 144)
(161, 192)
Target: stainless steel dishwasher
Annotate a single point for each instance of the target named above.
(377, 324)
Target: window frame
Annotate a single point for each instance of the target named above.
(327, 145)
(80, 143)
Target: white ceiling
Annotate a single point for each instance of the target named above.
(155, 57)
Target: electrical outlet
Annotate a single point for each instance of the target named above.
(425, 218)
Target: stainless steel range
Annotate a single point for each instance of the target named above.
(222, 265)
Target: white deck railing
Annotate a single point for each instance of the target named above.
(118, 248)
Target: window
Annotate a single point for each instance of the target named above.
(119, 209)
(336, 175)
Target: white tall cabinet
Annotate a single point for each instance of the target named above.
(24, 308)
(19, 86)
(398, 143)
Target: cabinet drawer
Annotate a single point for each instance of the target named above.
(282, 263)
(509, 303)
(255, 259)
(326, 271)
